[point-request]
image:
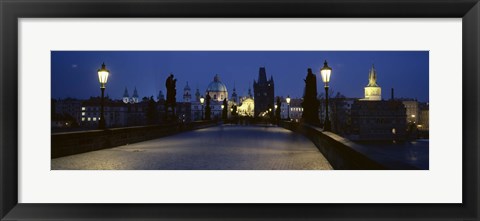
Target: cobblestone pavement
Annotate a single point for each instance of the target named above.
(224, 147)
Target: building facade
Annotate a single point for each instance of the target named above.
(412, 111)
(378, 120)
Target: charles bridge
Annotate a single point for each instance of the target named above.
(214, 145)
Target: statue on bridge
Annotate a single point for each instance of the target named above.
(310, 102)
(208, 109)
(171, 101)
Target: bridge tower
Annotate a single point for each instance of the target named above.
(263, 90)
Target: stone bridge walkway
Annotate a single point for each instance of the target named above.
(224, 147)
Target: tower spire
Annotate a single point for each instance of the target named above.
(372, 77)
(126, 97)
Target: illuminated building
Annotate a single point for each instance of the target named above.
(134, 99)
(246, 107)
(296, 109)
(218, 92)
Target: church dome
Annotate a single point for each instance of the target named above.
(216, 85)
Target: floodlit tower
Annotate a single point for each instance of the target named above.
(372, 90)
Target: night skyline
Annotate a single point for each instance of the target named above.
(74, 72)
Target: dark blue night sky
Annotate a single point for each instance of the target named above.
(74, 73)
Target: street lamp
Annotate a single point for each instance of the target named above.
(288, 104)
(202, 99)
(102, 78)
(326, 72)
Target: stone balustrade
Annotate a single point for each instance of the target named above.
(69, 143)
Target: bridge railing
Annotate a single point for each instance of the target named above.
(69, 143)
(342, 153)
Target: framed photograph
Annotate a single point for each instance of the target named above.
(253, 110)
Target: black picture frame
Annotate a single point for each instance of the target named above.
(12, 10)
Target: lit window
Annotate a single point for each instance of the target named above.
(89, 119)
(83, 119)
(83, 108)
(83, 113)
(94, 119)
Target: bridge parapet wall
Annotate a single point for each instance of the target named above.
(340, 152)
(69, 143)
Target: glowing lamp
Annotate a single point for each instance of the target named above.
(103, 75)
(326, 72)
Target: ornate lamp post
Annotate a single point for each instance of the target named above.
(288, 104)
(202, 99)
(326, 72)
(102, 78)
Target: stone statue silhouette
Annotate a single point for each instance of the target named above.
(310, 102)
(171, 101)
(208, 110)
